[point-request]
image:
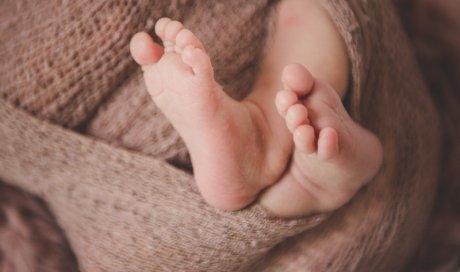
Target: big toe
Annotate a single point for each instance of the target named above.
(298, 79)
(144, 50)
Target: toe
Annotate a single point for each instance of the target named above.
(171, 31)
(296, 116)
(297, 78)
(167, 30)
(328, 143)
(186, 38)
(144, 50)
(160, 27)
(304, 139)
(285, 99)
(198, 60)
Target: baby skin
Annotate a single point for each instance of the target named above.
(290, 145)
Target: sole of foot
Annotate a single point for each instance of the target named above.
(224, 137)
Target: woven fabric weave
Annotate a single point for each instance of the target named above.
(123, 208)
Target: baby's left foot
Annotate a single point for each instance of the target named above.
(333, 157)
(227, 139)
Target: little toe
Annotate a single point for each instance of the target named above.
(328, 143)
(198, 60)
(297, 78)
(285, 99)
(144, 50)
(185, 38)
(304, 138)
(296, 116)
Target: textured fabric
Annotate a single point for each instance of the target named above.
(122, 213)
(30, 239)
(437, 45)
(130, 211)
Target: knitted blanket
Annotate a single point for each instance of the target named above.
(437, 45)
(78, 130)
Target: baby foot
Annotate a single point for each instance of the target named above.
(223, 136)
(237, 151)
(333, 156)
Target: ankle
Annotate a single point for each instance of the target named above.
(271, 138)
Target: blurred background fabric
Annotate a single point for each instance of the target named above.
(433, 26)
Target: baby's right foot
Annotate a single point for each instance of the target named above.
(333, 157)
